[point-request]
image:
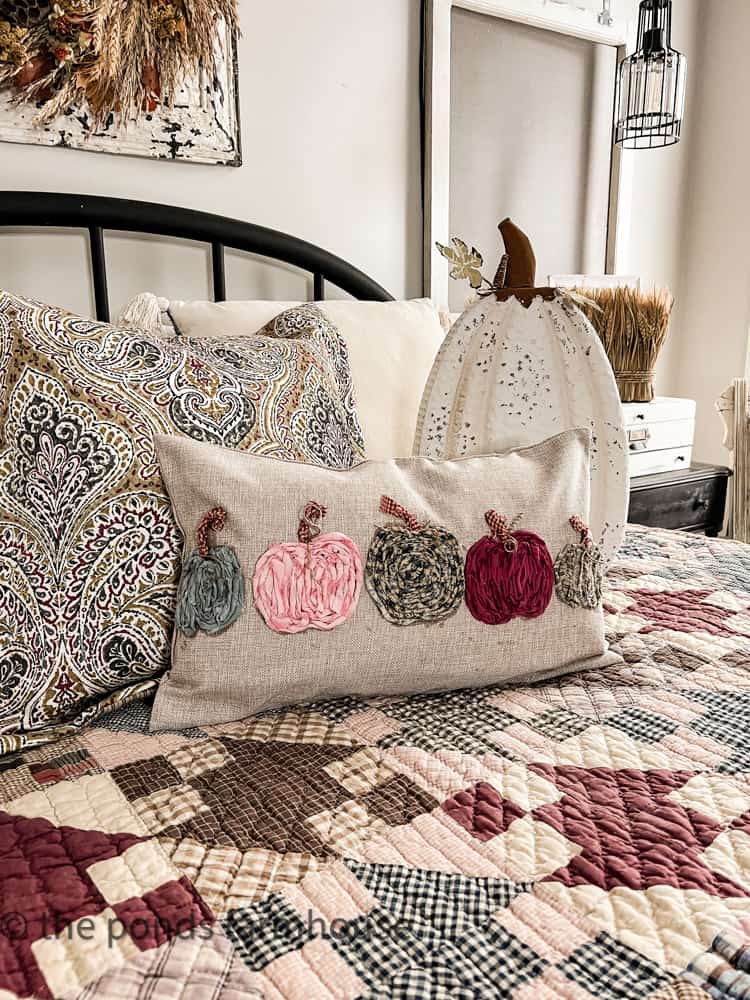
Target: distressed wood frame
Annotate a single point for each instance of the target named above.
(164, 134)
(437, 102)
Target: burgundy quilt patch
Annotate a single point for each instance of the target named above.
(586, 837)
(630, 833)
(483, 811)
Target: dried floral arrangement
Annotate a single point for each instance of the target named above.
(633, 326)
(121, 57)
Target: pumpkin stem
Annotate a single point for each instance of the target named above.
(580, 526)
(309, 526)
(214, 520)
(388, 506)
(501, 531)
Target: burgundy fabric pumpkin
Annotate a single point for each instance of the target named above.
(509, 574)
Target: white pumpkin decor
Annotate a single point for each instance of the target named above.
(520, 365)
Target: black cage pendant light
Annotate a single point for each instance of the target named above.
(651, 83)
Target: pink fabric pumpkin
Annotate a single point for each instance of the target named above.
(509, 574)
(312, 583)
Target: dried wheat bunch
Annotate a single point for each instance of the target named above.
(633, 326)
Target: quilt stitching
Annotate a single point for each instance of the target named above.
(586, 837)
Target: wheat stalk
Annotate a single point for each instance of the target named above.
(632, 326)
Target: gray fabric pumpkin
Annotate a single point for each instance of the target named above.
(211, 595)
(414, 572)
(579, 570)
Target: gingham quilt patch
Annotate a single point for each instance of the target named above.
(588, 837)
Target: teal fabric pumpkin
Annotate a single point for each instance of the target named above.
(211, 595)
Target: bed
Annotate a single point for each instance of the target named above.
(583, 838)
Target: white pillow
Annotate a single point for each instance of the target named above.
(200, 318)
(391, 349)
(448, 319)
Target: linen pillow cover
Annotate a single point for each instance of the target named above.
(302, 583)
(89, 547)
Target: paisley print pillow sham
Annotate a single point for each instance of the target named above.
(303, 583)
(89, 547)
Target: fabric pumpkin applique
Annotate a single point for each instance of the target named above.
(414, 571)
(313, 583)
(578, 570)
(509, 573)
(211, 595)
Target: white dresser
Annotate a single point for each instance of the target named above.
(660, 434)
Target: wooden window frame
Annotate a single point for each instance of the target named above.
(437, 111)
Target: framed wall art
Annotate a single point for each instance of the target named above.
(66, 78)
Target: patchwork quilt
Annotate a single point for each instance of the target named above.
(583, 838)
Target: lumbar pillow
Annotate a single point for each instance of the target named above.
(397, 576)
(89, 547)
(392, 346)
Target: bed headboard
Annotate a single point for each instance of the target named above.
(97, 214)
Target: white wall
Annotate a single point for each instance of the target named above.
(711, 329)
(661, 199)
(329, 96)
(691, 216)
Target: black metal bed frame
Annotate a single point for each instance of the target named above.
(96, 214)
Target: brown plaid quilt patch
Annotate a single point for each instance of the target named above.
(586, 838)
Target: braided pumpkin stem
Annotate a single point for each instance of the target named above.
(388, 506)
(583, 529)
(214, 520)
(309, 525)
(501, 530)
